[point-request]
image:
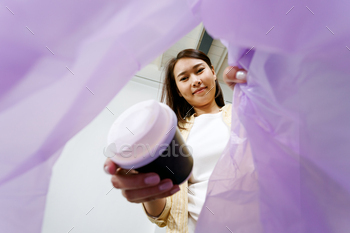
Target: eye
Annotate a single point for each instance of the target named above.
(200, 70)
(183, 78)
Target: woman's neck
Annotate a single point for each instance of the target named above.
(205, 109)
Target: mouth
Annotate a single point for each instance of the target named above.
(199, 90)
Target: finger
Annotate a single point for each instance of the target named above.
(166, 193)
(150, 193)
(124, 180)
(228, 76)
(230, 72)
(233, 75)
(123, 171)
(241, 76)
(110, 167)
(163, 195)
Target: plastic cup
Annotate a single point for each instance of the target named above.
(146, 138)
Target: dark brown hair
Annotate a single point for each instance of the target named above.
(170, 93)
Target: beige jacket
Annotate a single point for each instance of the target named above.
(175, 212)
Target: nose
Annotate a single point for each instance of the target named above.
(196, 81)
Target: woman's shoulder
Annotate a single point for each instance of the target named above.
(227, 109)
(188, 121)
(227, 106)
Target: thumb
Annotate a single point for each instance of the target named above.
(232, 74)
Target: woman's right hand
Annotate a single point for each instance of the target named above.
(233, 75)
(134, 185)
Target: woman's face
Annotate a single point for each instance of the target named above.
(191, 75)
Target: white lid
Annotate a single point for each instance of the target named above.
(140, 134)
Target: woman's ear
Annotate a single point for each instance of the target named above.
(212, 70)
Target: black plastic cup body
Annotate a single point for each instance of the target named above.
(175, 162)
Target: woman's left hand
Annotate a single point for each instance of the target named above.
(233, 75)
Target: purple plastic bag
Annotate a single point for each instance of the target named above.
(292, 118)
(61, 63)
(286, 168)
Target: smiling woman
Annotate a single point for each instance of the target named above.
(192, 90)
(191, 86)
